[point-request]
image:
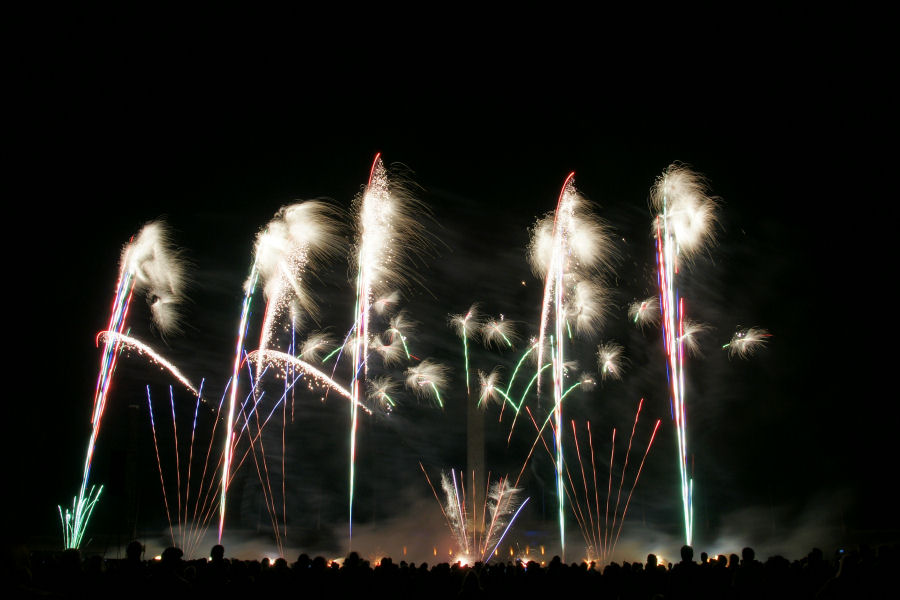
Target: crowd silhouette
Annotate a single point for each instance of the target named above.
(862, 572)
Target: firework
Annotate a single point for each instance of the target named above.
(610, 360)
(386, 303)
(286, 253)
(315, 376)
(498, 332)
(392, 353)
(399, 328)
(315, 344)
(381, 389)
(427, 379)
(126, 342)
(688, 337)
(566, 249)
(644, 312)
(745, 342)
(151, 265)
(389, 232)
(466, 325)
(682, 227)
(478, 535)
(294, 243)
(490, 389)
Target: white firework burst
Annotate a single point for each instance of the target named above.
(687, 210)
(745, 342)
(158, 270)
(610, 360)
(644, 312)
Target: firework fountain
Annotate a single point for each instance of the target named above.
(477, 536)
(148, 264)
(682, 228)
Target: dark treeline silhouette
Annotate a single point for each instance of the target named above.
(863, 572)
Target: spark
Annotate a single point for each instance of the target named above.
(315, 374)
(386, 303)
(298, 239)
(159, 270)
(500, 510)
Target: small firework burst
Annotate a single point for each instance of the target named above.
(610, 360)
(746, 342)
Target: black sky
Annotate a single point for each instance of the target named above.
(111, 132)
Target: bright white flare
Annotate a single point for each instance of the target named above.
(610, 360)
(746, 342)
(682, 199)
(427, 378)
(159, 271)
(644, 312)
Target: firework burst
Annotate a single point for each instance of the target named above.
(427, 378)
(644, 312)
(498, 333)
(610, 360)
(745, 342)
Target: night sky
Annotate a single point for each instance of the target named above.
(791, 447)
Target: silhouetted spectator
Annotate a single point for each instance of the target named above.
(654, 578)
(683, 578)
(748, 578)
(166, 576)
